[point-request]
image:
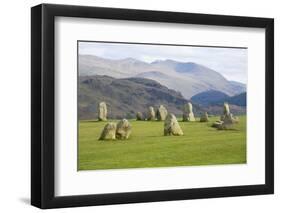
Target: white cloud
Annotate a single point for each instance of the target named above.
(230, 62)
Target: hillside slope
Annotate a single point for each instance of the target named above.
(212, 102)
(239, 100)
(209, 97)
(125, 97)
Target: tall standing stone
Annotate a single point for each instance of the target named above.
(227, 120)
(227, 117)
(151, 114)
(204, 117)
(108, 132)
(161, 113)
(102, 111)
(188, 113)
(123, 129)
(139, 116)
(171, 126)
(226, 109)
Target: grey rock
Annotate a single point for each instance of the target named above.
(204, 117)
(188, 113)
(171, 126)
(226, 109)
(151, 114)
(161, 113)
(139, 116)
(123, 130)
(227, 119)
(217, 124)
(102, 111)
(108, 132)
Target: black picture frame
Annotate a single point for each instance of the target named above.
(43, 102)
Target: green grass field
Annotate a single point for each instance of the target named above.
(147, 147)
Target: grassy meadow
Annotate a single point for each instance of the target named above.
(147, 147)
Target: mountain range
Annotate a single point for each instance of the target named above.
(125, 97)
(187, 78)
(214, 97)
(212, 100)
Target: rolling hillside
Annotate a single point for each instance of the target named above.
(125, 97)
(213, 97)
(211, 101)
(239, 100)
(209, 97)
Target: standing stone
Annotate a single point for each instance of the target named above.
(151, 114)
(227, 117)
(226, 109)
(108, 132)
(227, 123)
(188, 113)
(102, 111)
(227, 120)
(171, 126)
(161, 113)
(204, 117)
(123, 129)
(139, 116)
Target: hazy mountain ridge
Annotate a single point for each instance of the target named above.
(213, 97)
(188, 78)
(125, 97)
(209, 97)
(238, 100)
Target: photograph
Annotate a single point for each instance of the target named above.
(141, 105)
(146, 105)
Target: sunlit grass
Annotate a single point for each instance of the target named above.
(147, 147)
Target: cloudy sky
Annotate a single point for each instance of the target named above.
(230, 62)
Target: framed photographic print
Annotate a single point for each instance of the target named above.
(139, 106)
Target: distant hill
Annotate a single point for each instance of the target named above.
(125, 97)
(237, 84)
(212, 101)
(209, 97)
(239, 100)
(213, 97)
(218, 109)
(188, 78)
